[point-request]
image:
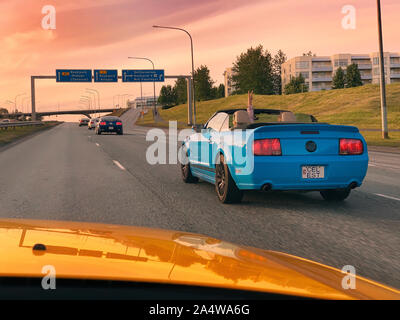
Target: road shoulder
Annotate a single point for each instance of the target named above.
(384, 149)
(27, 136)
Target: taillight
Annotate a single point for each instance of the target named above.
(350, 146)
(103, 123)
(267, 147)
(119, 123)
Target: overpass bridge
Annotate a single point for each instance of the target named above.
(86, 112)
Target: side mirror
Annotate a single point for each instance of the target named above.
(198, 127)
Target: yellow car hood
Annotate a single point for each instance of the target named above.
(111, 252)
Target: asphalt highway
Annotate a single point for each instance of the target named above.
(69, 173)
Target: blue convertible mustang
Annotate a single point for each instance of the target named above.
(277, 150)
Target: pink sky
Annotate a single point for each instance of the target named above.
(103, 33)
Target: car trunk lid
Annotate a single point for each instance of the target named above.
(307, 139)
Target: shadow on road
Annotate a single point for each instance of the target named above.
(358, 205)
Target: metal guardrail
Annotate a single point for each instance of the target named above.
(6, 125)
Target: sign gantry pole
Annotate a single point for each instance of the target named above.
(154, 75)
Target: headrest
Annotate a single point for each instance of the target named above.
(288, 117)
(240, 118)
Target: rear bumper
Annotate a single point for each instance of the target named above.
(285, 173)
(107, 129)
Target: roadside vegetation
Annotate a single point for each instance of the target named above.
(11, 134)
(204, 89)
(255, 69)
(374, 138)
(350, 102)
(358, 106)
(118, 112)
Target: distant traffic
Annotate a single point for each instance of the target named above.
(107, 124)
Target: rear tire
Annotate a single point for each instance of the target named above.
(225, 186)
(98, 132)
(335, 195)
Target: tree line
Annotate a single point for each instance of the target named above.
(255, 69)
(348, 78)
(204, 89)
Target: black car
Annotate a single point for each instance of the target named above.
(109, 124)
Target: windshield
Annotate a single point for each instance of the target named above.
(110, 119)
(246, 145)
(283, 116)
(242, 118)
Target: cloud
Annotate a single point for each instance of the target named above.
(20, 50)
(103, 33)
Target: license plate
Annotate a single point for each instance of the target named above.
(313, 172)
(110, 128)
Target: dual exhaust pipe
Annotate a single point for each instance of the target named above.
(267, 187)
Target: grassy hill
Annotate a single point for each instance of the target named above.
(354, 106)
(118, 112)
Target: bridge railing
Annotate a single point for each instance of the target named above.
(13, 125)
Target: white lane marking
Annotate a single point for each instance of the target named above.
(383, 166)
(97, 144)
(118, 165)
(385, 196)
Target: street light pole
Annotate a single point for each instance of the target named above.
(114, 105)
(191, 47)
(18, 95)
(27, 105)
(98, 98)
(90, 101)
(385, 132)
(85, 100)
(94, 98)
(154, 85)
(22, 103)
(122, 96)
(11, 102)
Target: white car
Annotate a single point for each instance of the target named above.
(92, 123)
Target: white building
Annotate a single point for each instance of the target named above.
(146, 101)
(318, 71)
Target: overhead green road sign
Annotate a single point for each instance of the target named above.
(104, 75)
(72, 75)
(151, 75)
